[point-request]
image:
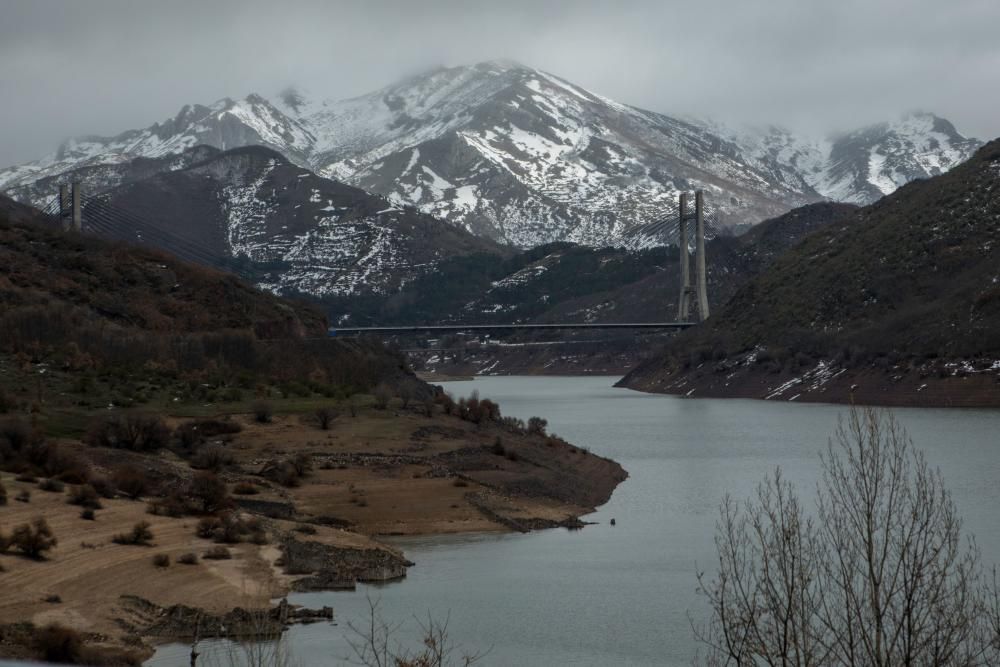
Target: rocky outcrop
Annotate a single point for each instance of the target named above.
(336, 568)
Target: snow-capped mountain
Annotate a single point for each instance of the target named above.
(524, 157)
(289, 230)
(867, 164)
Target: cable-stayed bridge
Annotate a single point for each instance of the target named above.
(96, 215)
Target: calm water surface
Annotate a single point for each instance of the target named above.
(623, 594)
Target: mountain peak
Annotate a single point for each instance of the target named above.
(501, 65)
(525, 157)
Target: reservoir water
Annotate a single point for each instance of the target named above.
(624, 594)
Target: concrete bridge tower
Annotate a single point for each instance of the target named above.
(700, 291)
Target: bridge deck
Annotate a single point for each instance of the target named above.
(335, 331)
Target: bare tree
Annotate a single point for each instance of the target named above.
(406, 391)
(881, 576)
(373, 644)
(325, 416)
(382, 394)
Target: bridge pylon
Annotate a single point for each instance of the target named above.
(692, 294)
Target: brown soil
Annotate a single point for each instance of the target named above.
(390, 472)
(396, 472)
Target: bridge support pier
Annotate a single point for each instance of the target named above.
(699, 214)
(700, 290)
(687, 292)
(77, 213)
(65, 214)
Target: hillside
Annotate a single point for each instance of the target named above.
(524, 157)
(279, 225)
(569, 283)
(563, 282)
(74, 305)
(899, 303)
(176, 446)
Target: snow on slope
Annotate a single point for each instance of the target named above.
(288, 229)
(524, 157)
(864, 165)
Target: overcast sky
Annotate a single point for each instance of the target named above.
(72, 67)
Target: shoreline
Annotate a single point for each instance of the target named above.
(395, 472)
(826, 384)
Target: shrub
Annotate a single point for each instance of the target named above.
(172, 505)
(287, 473)
(52, 485)
(26, 477)
(406, 392)
(288, 476)
(305, 529)
(218, 553)
(141, 535)
(104, 486)
(3, 494)
(188, 559)
(382, 394)
(512, 455)
(192, 433)
(498, 447)
(130, 481)
(57, 644)
(229, 528)
(537, 426)
(88, 514)
(459, 482)
(67, 468)
(447, 403)
(33, 539)
(209, 492)
(324, 417)
(245, 489)
(84, 496)
(214, 458)
(206, 527)
(161, 560)
(24, 496)
(17, 434)
(302, 463)
(263, 412)
(7, 402)
(133, 431)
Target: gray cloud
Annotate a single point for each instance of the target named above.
(72, 67)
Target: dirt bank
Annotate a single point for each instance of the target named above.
(383, 472)
(959, 384)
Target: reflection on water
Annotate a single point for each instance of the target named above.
(623, 594)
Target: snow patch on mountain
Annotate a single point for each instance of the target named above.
(524, 157)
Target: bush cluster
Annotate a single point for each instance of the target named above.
(191, 435)
(31, 539)
(230, 528)
(140, 535)
(204, 494)
(288, 472)
(85, 496)
(62, 645)
(24, 450)
(130, 481)
(133, 431)
(472, 409)
(217, 553)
